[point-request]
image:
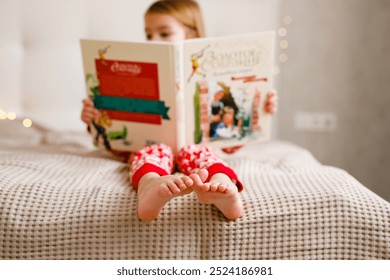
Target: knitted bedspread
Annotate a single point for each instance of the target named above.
(62, 199)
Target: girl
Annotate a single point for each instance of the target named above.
(151, 168)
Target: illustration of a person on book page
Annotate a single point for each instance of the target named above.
(227, 127)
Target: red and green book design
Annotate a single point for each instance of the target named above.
(129, 91)
(126, 91)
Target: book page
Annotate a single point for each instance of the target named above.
(226, 82)
(133, 87)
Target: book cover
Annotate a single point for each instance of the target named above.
(208, 90)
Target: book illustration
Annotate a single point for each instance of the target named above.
(206, 90)
(102, 52)
(101, 126)
(129, 87)
(250, 79)
(116, 91)
(228, 97)
(225, 112)
(195, 63)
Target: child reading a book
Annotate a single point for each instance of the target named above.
(151, 168)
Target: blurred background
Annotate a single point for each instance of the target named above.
(332, 68)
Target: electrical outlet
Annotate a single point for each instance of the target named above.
(315, 122)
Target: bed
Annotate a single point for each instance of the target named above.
(60, 198)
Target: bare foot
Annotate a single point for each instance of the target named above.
(154, 191)
(220, 191)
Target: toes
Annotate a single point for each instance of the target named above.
(197, 181)
(214, 187)
(180, 184)
(203, 174)
(187, 181)
(219, 187)
(173, 188)
(166, 190)
(206, 187)
(223, 188)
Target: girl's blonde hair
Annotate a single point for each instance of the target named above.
(187, 12)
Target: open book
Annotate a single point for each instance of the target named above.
(207, 90)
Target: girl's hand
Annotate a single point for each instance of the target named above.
(271, 102)
(89, 112)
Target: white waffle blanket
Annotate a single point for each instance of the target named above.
(61, 199)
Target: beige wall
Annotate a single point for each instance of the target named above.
(339, 62)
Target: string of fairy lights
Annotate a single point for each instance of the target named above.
(283, 43)
(11, 116)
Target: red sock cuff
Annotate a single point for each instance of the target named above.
(146, 168)
(221, 168)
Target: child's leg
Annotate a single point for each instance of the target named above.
(150, 174)
(214, 181)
